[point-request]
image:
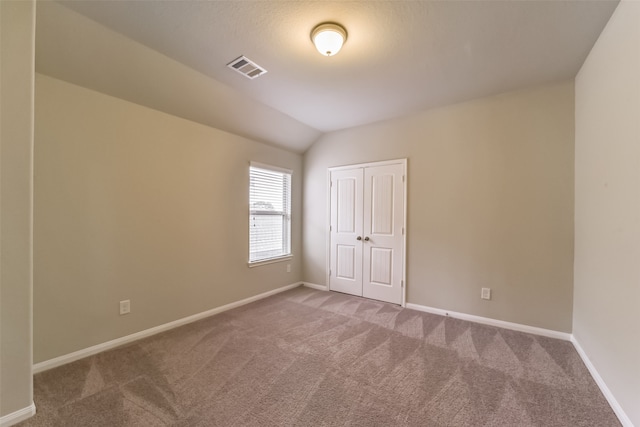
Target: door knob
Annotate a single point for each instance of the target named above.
(366, 239)
(359, 238)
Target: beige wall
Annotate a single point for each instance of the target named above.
(17, 33)
(132, 203)
(607, 212)
(490, 203)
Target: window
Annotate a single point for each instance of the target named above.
(269, 213)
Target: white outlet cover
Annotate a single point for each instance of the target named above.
(486, 293)
(125, 307)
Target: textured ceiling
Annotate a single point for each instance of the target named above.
(400, 56)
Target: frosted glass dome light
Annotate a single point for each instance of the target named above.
(328, 38)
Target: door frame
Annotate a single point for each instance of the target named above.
(405, 180)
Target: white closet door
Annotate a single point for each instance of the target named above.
(346, 231)
(383, 240)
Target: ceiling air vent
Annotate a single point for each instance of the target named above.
(246, 67)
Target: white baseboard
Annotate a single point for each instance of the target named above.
(25, 413)
(314, 286)
(493, 322)
(17, 416)
(90, 351)
(617, 409)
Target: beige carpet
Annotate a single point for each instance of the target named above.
(311, 358)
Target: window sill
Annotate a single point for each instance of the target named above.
(269, 261)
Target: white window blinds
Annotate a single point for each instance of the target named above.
(269, 212)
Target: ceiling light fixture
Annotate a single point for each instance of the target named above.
(328, 38)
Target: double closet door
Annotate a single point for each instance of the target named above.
(367, 230)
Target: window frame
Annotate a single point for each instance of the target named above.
(286, 216)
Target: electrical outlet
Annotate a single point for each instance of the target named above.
(288, 268)
(125, 307)
(486, 293)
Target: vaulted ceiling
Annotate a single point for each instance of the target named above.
(400, 57)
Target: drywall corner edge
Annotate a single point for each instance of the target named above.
(613, 402)
(17, 416)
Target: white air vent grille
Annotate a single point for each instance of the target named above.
(246, 67)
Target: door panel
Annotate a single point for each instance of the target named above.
(346, 262)
(346, 215)
(382, 199)
(381, 265)
(346, 226)
(383, 228)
